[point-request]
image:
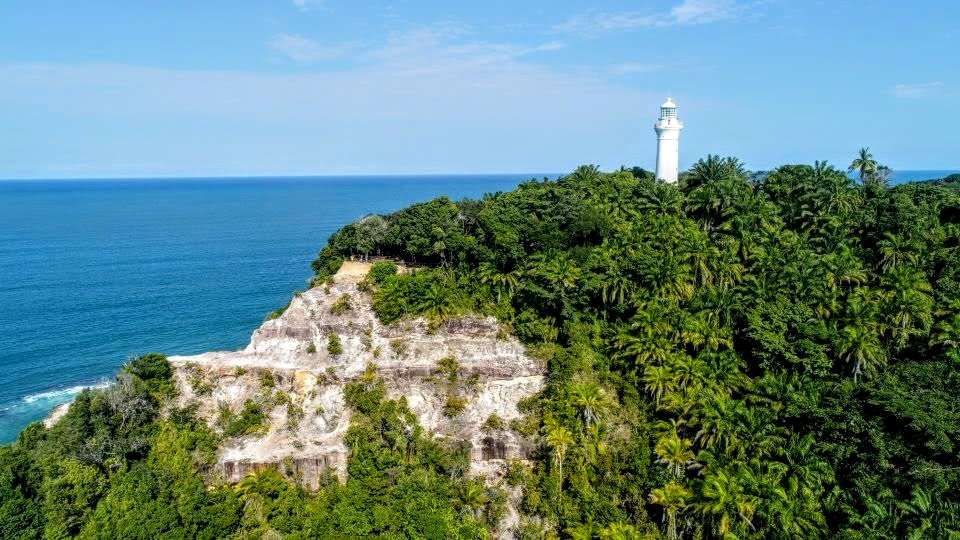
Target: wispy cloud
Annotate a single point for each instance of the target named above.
(307, 5)
(630, 68)
(417, 99)
(302, 49)
(917, 90)
(688, 12)
(449, 47)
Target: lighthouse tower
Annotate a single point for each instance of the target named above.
(668, 142)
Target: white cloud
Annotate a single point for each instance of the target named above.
(447, 47)
(703, 11)
(688, 12)
(307, 5)
(428, 100)
(302, 49)
(917, 90)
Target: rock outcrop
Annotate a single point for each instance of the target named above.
(290, 356)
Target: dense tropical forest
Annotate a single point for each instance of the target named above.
(765, 355)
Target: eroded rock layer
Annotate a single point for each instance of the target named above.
(289, 369)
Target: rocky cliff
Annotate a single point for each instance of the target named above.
(455, 377)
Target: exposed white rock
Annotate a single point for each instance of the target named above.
(494, 374)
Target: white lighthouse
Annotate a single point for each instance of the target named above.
(668, 142)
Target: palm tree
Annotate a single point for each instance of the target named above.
(699, 333)
(616, 287)
(590, 399)
(436, 303)
(864, 163)
(911, 302)
(673, 498)
(674, 452)
(659, 380)
(860, 344)
(713, 169)
(726, 499)
(474, 496)
(559, 439)
(897, 250)
(499, 281)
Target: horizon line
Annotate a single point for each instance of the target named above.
(533, 175)
(269, 176)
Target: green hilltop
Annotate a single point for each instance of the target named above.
(732, 356)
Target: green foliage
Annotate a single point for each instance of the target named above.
(449, 366)
(250, 419)
(334, 346)
(154, 371)
(381, 271)
(454, 405)
(736, 356)
(342, 305)
(494, 423)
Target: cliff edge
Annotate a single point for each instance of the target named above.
(463, 380)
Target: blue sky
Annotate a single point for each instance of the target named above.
(178, 88)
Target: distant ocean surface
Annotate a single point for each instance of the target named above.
(93, 272)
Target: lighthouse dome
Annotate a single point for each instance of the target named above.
(668, 104)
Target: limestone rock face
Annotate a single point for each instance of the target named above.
(305, 432)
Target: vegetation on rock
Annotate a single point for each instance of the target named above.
(737, 356)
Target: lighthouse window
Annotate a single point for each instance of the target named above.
(668, 112)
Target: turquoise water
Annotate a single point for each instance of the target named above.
(94, 272)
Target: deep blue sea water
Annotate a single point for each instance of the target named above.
(94, 272)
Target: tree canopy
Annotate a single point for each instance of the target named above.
(735, 356)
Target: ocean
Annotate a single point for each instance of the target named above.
(94, 272)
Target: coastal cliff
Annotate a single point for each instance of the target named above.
(463, 379)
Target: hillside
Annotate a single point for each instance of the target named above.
(723, 358)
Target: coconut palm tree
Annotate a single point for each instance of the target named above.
(859, 343)
(897, 250)
(474, 496)
(590, 399)
(911, 303)
(674, 452)
(673, 498)
(659, 380)
(864, 163)
(499, 281)
(558, 439)
(726, 499)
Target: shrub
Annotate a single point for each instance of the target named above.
(294, 415)
(342, 305)
(250, 419)
(454, 406)
(494, 423)
(367, 337)
(200, 386)
(266, 379)
(399, 347)
(311, 348)
(155, 372)
(381, 271)
(449, 366)
(334, 346)
(275, 314)
(365, 394)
